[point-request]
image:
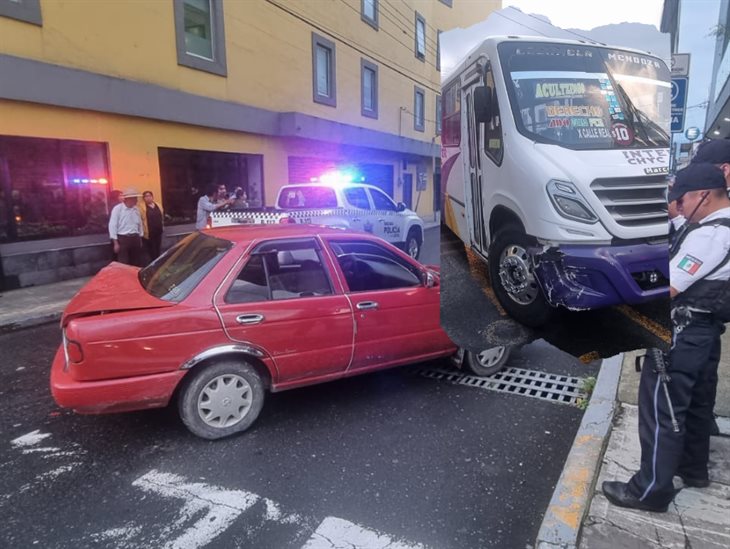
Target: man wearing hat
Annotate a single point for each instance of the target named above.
(674, 424)
(125, 229)
(717, 152)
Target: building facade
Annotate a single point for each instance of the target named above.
(173, 95)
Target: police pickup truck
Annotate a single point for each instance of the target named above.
(356, 206)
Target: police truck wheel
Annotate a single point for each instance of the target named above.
(222, 399)
(413, 243)
(514, 281)
(486, 362)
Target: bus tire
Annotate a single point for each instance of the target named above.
(514, 281)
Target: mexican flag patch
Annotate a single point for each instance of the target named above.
(690, 264)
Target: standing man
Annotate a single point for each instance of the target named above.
(717, 152)
(209, 203)
(674, 426)
(152, 225)
(125, 229)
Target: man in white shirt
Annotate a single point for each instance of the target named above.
(675, 413)
(125, 229)
(208, 204)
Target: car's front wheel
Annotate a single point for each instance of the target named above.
(486, 362)
(514, 280)
(413, 243)
(221, 399)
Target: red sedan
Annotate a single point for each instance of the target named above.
(227, 314)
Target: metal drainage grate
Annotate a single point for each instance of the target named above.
(551, 387)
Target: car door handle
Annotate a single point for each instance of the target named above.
(365, 305)
(250, 319)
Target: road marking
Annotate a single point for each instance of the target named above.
(29, 439)
(214, 509)
(335, 533)
(645, 322)
(476, 269)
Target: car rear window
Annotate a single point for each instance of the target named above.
(175, 274)
(307, 197)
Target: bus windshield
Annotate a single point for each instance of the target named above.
(585, 97)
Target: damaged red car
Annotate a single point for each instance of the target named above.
(228, 314)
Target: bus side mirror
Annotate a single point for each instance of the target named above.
(483, 104)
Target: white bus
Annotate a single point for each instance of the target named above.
(554, 164)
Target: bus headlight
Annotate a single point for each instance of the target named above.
(569, 203)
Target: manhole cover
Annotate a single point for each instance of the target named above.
(531, 383)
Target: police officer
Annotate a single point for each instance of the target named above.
(675, 418)
(717, 152)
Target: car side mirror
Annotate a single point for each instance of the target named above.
(429, 279)
(401, 207)
(483, 104)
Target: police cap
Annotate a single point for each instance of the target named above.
(696, 177)
(716, 151)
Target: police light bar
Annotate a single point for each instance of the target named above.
(81, 181)
(337, 178)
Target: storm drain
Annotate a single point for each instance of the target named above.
(531, 383)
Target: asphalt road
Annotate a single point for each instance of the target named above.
(393, 457)
(471, 316)
(431, 251)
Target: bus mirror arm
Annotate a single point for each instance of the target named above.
(483, 104)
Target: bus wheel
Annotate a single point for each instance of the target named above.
(514, 281)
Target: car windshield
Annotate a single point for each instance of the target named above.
(584, 97)
(175, 274)
(307, 197)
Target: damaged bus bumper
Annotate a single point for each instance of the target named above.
(590, 277)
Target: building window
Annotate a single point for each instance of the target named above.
(447, 2)
(200, 35)
(420, 37)
(438, 50)
(369, 11)
(28, 11)
(185, 174)
(369, 89)
(438, 115)
(418, 109)
(52, 187)
(324, 83)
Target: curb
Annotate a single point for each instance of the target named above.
(29, 322)
(572, 495)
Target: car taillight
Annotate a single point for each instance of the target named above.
(72, 351)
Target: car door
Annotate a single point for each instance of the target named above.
(396, 314)
(283, 299)
(388, 222)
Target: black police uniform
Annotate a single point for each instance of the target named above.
(674, 424)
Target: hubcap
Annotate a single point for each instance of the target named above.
(412, 248)
(490, 357)
(225, 401)
(517, 275)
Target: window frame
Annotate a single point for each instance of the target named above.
(416, 126)
(217, 65)
(331, 100)
(496, 120)
(439, 106)
(27, 11)
(419, 19)
(438, 50)
(374, 23)
(367, 65)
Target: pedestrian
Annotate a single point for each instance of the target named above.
(208, 204)
(674, 427)
(717, 152)
(125, 229)
(152, 225)
(222, 194)
(241, 200)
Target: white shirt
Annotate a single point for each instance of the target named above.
(124, 221)
(205, 206)
(702, 250)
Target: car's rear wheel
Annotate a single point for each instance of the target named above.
(221, 399)
(486, 362)
(413, 243)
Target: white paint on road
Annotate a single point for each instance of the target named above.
(219, 507)
(30, 439)
(336, 533)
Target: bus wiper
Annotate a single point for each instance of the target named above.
(643, 121)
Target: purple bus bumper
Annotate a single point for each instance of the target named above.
(590, 277)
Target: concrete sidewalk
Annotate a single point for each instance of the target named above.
(36, 305)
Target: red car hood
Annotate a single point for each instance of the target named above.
(115, 288)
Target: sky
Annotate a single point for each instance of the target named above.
(585, 14)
